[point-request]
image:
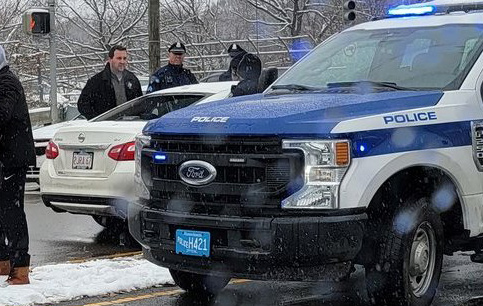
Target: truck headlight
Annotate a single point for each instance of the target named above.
(141, 189)
(326, 162)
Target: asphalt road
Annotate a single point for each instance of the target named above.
(58, 237)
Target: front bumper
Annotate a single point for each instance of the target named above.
(275, 248)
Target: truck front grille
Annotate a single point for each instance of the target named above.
(253, 174)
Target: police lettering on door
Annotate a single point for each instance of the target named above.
(410, 117)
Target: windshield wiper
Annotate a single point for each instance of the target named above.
(391, 85)
(295, 87)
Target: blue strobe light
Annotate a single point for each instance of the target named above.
(404, 10)
(159, 157)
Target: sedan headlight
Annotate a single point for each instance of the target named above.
(326, 162)
(141, 189)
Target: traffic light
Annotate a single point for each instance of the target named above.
(349, 10)
(36, 21)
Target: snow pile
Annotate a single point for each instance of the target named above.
(63, 282)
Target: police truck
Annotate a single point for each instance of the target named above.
(368, 152)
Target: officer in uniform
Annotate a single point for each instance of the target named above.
(247, 70)
(173, 74)
(236, 53)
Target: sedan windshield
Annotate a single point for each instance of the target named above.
(410, 58)
(149, 107)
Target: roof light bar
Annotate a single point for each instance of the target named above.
(404, 10)
(436, 7)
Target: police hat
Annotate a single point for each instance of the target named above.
(177, 47)
(235, 49)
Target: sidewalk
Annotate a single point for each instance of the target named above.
(69, 281)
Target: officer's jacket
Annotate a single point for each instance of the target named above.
(170, 76)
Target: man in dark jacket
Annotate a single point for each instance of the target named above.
(17, 153)
(173, 74)
(236, 53)
(247, 69)
(111, 87)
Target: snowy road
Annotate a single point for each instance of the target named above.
(58, 238)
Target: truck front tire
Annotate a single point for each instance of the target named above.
(199, 283)
(407, 261)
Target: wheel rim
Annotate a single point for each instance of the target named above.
(423, 259)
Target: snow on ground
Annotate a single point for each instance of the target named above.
(63, 282)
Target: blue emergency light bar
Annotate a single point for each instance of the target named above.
(404, 10)
(433, 7)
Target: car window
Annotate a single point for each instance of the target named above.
(148, 107)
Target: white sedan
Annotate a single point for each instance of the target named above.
(90, 167)
(42, 136)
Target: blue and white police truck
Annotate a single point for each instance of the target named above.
(368, 151)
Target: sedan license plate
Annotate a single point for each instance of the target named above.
(194, 243)
(82, 160)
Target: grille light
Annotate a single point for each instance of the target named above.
(325, 165)
(159, 157)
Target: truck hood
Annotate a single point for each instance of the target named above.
(298, 114)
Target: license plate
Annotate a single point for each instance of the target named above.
(82, 160)
(194, 243)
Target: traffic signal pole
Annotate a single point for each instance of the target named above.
(54, 110)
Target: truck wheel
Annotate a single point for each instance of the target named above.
(199, 283)
(408, 257)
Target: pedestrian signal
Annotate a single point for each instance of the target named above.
(36, 21)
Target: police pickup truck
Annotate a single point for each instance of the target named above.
(368, 151)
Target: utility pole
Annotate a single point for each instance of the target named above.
(153, 32)
(54, 111)
(39, 77)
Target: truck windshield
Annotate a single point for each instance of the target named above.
(409, 58)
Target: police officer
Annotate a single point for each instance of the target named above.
(247, 69)
(173, 74)
(236, 53)
(16, 154)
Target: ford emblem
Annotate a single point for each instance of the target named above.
(197, 172)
